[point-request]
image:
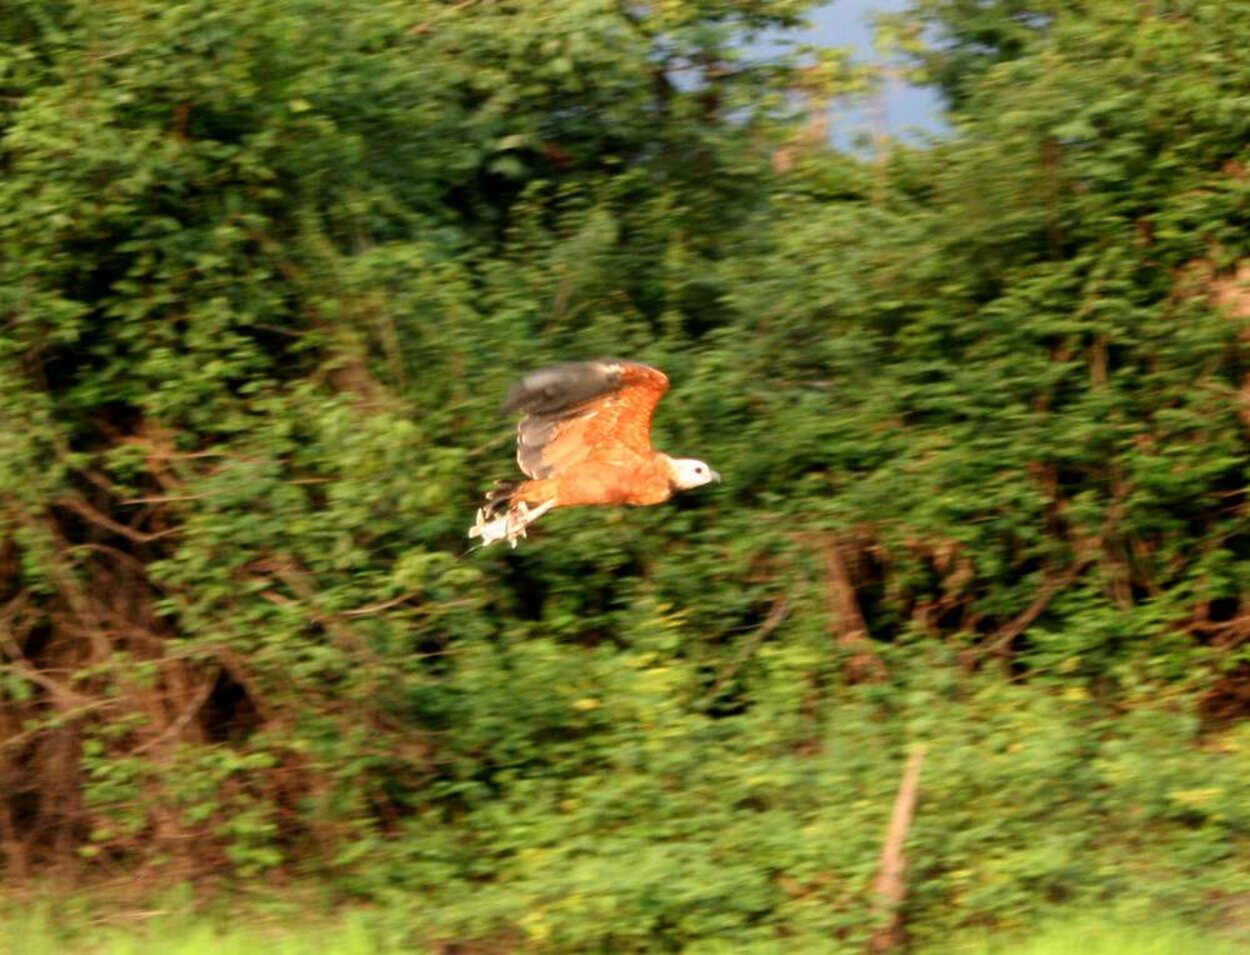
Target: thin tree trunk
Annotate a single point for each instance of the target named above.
(891, 886)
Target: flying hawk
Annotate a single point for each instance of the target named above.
(584, 439)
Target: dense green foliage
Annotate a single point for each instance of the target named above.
(266, 269)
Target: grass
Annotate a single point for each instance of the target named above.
(66, 927)
(42, 931)
(1090, 936)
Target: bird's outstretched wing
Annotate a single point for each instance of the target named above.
(586, 410)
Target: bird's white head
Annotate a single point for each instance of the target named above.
(686, 473)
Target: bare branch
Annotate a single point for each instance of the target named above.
(891, 885)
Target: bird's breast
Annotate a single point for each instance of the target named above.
(639, 482)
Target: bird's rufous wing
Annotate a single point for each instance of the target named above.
(582, 411)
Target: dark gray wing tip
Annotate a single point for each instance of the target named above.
(562, 386)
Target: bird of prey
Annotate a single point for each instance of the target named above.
(584, 439)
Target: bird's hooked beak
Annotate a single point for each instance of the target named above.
(715, 475)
